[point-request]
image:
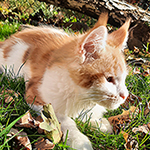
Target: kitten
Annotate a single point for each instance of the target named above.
(71, 72)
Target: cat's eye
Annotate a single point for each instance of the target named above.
(110, 79)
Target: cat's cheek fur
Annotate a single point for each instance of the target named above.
(112, 99)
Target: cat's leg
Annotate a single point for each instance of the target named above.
(75, 138)
(97, 120)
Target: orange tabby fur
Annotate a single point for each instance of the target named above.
(71, 72)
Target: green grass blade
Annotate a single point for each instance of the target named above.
(10, 139)
(10, 126)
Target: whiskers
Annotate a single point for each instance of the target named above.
(97, 96)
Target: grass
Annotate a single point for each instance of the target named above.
(7, 28)
(11, 112)
(100, 140)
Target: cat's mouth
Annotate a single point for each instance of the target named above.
(112, 102)
(107, 101)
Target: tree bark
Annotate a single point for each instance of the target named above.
(118, 10)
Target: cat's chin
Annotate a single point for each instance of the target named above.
(112, 107)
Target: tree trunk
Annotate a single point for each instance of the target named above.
(118, 10)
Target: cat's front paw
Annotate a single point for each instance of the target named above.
(103, 124)
(80, 142)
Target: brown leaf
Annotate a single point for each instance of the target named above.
(148, 125)
(147, 109)
(136, 70)
(40, 131)
(132, 100)
(27, 121)
(144, 129)
(118, 122)
(133, 111)
(43, 144)
(13, 92)
(123, 120)
(8, 98)
(146, 72)
(131, 144)
(125, 135)
(22, 139)
(7, 95)
(39, 118)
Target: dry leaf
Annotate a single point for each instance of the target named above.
(132, 100)
(22, 138)
(132, 111)
(8, 98)
(148, 125)
(39, 119)
(51, 126)
(27, 121)
(136, 71)
(147, 109)
(125, 135)
(43, 144)
(145, 129)
(6, 94)
(121, 121)
(131, 144)
(13, 92)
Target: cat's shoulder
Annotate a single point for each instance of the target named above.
(42, 35)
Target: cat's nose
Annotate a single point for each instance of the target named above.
(122, 95)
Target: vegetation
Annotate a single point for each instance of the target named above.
(6, 29)
(17, 12)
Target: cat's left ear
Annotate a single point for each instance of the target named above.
(95, 40)
(119, 37)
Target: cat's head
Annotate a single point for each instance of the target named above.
(103, 71)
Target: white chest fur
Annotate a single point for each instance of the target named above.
(58, 89)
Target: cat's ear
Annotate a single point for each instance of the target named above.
(119, 37)
(95, 39)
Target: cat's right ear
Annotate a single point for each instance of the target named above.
(95, 40)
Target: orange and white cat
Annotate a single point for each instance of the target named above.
(71, 72)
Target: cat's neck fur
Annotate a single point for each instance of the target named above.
(70, 98)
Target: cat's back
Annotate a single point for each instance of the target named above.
(36, 37)
(33, 46)
(42, 36)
